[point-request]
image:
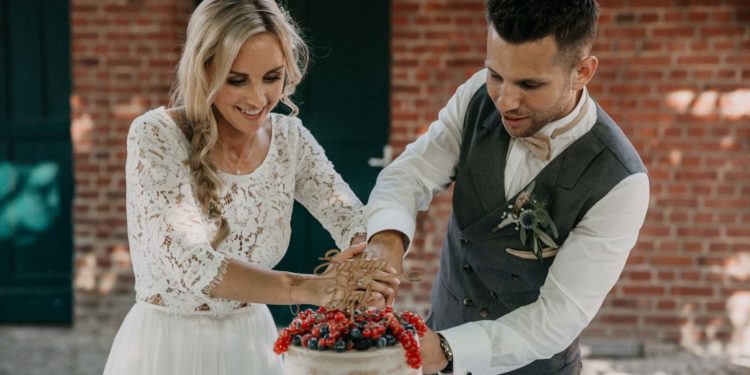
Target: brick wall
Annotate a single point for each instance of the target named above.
(671, 73)
(674, 75)
(436, 46)
(123, 54)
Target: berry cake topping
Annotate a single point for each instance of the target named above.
(341, 331)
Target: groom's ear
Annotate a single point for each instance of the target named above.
(584, 71)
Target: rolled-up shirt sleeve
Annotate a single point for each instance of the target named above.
(426, 167)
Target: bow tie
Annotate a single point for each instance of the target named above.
(539, 144)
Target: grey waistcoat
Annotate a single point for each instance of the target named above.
(478, 280)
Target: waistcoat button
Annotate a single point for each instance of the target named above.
(483, 313)
(467, 266)
(468, 302)
(516, 277)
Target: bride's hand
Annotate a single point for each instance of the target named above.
(321, 289)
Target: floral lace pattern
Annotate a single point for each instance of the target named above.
(169, 236)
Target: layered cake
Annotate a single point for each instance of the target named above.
(373, 341)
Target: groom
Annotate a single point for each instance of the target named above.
(548, 200)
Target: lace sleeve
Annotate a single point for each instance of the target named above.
(324, 193)
(167, 232)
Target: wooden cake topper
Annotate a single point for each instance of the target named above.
(354, 278)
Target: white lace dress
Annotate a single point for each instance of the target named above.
(174, 264)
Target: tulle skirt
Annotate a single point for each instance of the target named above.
(155, 341)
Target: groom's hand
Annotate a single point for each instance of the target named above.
(389, 246)
(433, 358)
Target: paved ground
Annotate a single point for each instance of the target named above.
(673, 364)
(63, 351)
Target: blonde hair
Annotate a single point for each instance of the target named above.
(216, 31)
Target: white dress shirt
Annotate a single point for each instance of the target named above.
(586, 267)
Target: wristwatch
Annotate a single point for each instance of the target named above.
(448, 354)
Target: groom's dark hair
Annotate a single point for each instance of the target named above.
(571, 22)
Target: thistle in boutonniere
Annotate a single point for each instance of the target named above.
(530, 215)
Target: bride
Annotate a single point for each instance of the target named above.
(211, 183)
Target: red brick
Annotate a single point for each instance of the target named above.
(727, 203)
(666, 305)
(638, 275)
(665, 275)
(690, 275)
(672, 32)
(716, 306)
(692, 291)
(625, 32)
(651, 60)
(698, 60)
(672, 261)
(650, 3)
(723, 31)
(738, 232)
(624, 303)
(697, 16)
(619, 319)
(665, 320)
(643, 290)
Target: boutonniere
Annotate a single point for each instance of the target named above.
(530, 215)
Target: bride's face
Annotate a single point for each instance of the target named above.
(253, 87)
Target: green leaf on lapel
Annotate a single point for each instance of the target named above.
(552, 227)
(545, 238)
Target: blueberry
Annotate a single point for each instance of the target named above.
(324, 330)
(312, 343)
(297, 340)
(355, 334)
(362, 344)
(382, 342)
(390, 339)
(340, 346)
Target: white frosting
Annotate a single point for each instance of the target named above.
(386, 361)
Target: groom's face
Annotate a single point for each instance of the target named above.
(529, 84)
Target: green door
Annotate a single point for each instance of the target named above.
(344, 101)
(36, 183)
